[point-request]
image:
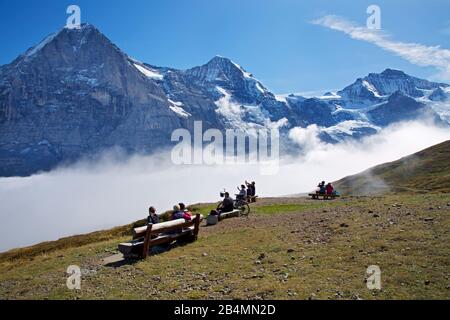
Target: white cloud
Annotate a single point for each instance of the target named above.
(307, 137)
(415, 53)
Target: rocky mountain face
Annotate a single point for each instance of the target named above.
(76, 94)
(72, 94)
(376, 86)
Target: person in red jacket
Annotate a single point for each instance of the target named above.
(329, 189)
(187, 215)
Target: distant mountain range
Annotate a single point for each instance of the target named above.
(422, 172)
(76, 94)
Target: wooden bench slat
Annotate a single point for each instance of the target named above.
(171, 237)
(226, 215)
(129, 248)
(325, 196)
(137, 247)
(165, 227)
(155, 234)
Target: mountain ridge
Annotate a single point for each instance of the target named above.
(76, 93)
(422, 172)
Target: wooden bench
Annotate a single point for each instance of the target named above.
(213, 219)
(317, 196)
(227, 215)
(144, 238)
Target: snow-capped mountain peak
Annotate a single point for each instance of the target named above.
(393, 73)
(78, 37)
(219, 68)
(376, 87)
(223, 72)
(81, 94)
(390, 81)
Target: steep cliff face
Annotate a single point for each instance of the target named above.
(400, 107)
(226, 89)
(222, 72)
(76, 94)
(73, 94)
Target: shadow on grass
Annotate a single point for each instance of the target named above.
(156, 250)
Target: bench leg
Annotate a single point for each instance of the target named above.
(147, 240)
(197, 225)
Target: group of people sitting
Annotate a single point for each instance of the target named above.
(247, 191)
(179, 212)
(327, 189)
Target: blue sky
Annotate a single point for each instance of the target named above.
(273, 39)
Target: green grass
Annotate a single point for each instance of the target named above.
(75, 241)
(272, 209)
(288, 249)
(424, 172)
(67, 243)
(275, 209)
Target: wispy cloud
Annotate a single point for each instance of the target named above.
(415, 53)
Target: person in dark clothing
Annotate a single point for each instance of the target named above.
(322, 188)
(152, 218)
(227, 204)
(242, 193)
(177, 213)
(251, 189)
(187, 215)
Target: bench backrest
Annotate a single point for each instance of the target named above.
(165, 227)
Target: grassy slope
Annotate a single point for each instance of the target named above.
(425, 171)
(288, 249)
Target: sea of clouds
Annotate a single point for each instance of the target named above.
(112, 191)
